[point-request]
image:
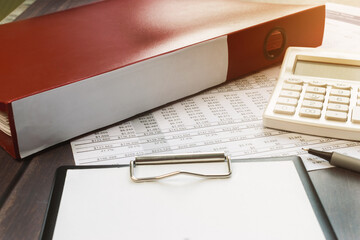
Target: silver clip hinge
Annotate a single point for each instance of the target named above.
(180, 159)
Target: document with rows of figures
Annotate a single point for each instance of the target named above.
(223, 119)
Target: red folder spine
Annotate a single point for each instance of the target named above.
(247, 47)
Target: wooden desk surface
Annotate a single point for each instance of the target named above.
(25, 185)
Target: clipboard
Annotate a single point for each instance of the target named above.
(265, 198)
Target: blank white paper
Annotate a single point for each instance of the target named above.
(261, 200)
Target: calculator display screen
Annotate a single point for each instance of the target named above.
(327, 70)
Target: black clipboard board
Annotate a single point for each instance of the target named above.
(59, 181)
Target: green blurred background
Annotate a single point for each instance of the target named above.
(7, 6)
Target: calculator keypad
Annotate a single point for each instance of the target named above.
(339, 100)
(340, 92)
(289, 94)
(338, 107)
(287, 101)
(337, 116)
(284, 109)
(317, 90)
(312, 104)
(292, 87)
(317, 83)
(294, 81)
(313, 95)
(342, 86)
(356, 115)
(317, 93)
(310, 112)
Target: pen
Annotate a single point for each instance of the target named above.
(337, 159)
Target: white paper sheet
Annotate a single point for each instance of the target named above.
(106, 204)
(227, 118)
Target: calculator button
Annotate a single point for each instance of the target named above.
(290, 94)
(340, 92)
(318, 90)
(284, 109)
(356, 115)
(314, 97)
(312, 104)
(287, 101)
(317, 83)
(292, 87)
(341, 100)
(338, 107)
(294, 81)
(342, 86)
(336, 116)
(310, 112)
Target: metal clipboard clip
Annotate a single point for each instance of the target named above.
(180, 159)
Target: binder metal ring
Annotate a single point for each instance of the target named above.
(179, 159)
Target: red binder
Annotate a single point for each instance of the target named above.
(74, 71)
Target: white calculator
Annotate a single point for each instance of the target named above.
(317, 93)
